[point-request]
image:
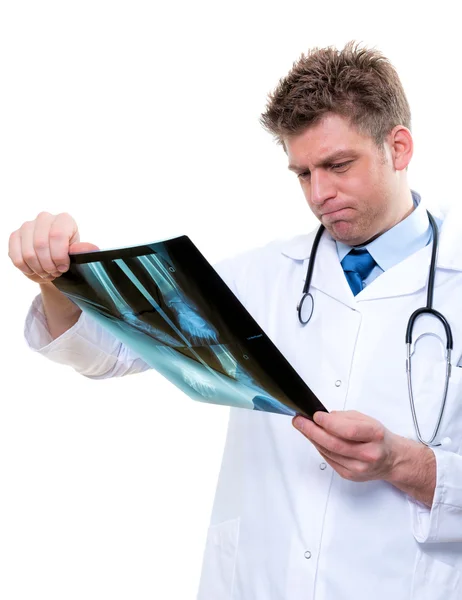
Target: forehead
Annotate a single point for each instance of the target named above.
(332, 135)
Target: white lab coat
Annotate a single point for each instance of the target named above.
(284, 524)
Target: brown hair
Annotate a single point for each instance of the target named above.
(357, 83)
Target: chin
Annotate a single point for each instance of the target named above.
(347, 233)
(342, 231)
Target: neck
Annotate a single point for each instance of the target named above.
(406, 207)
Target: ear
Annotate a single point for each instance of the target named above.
(401, 146)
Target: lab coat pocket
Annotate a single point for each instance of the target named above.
(219, 563)
(435, 580)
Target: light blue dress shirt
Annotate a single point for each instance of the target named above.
(408, 236)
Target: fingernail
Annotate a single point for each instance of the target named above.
(62, 268)
(318, 417)
(298, 423)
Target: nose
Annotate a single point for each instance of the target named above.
(322, 187)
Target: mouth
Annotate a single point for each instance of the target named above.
(333, 214)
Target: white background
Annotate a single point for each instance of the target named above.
(141, 120)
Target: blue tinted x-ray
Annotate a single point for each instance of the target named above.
(168, 304)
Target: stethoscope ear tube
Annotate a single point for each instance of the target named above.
(430, 311)
(430, 442)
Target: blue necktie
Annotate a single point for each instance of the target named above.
(357, 265)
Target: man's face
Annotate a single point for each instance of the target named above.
(349, 183)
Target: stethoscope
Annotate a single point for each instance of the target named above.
(305, 311)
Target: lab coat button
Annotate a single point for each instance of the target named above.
(307, 554)
(338, 383)
(322, 466)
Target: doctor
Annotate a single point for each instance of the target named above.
(350, 505)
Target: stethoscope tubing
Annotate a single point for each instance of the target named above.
(306, 288)
(428, 309)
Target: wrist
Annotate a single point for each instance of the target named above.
(413, 469)
(52, 296)
(404, 454)
(60, 313)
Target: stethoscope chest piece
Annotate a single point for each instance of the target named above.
(305, 308)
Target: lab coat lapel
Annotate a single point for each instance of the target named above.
(407, 277)
(328, 276)
(411, 275)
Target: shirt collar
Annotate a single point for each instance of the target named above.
(406, 237)
(450, 251)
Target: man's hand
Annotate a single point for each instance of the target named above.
(360, 448)
(40, 248)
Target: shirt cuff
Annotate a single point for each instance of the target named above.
(36, 331)
(443, 521)
(86, 346)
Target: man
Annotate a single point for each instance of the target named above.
(350, 505)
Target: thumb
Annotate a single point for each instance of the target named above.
(82, 247)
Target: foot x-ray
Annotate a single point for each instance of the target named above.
(168, 304)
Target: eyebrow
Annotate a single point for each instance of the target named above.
(328, 160)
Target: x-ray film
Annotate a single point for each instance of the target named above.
(169, 305)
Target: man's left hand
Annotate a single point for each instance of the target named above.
(360, 448)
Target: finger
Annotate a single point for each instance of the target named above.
(336, 462)
(82, 247)
(358, 428)
(41, 242)
(354, 414)
(28, 252)
(15, 253)
(63, 232)
(345, 461)
(347, 468)
(323, 438)
(371, 461)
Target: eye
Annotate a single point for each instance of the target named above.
(341, 167)
(305, 175)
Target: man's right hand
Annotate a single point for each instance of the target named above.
(40, 248)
